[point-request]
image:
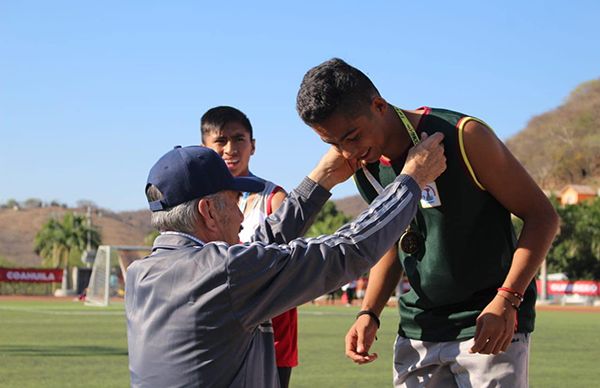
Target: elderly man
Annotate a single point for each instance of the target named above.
(196, 305)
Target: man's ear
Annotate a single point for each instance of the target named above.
(253, 141)
(207, 212)
(379, 105)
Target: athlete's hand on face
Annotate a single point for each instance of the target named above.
(495, 327)
(426, 161)
(333, 169)
(359, 339)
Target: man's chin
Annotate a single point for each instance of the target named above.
(233, 170)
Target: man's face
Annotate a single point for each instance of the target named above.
(359, 137)
(235, 146)
(229, 217)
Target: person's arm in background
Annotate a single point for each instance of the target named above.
(505, 179)
(331, 170)
(277, 199)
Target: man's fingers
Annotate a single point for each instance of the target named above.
(480, 337)
(357, 356)
(506, 344)
(362, 359)
(350, 340)
(434, 139)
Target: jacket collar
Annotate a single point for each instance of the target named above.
(175, 240)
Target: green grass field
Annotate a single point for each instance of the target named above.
(65, 344)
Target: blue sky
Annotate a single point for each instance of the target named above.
(92, 93)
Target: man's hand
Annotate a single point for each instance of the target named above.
(426, 161)
(495, 327)
(333, 169)
(359, 339)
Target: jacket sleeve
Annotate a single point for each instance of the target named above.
(267, 279)
(295, 215)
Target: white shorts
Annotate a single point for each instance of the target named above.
(449, 364)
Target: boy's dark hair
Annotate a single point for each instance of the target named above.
(333, 86)
(216, 118)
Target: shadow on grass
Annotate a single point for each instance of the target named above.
(61, 351)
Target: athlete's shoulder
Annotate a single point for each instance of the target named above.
(451, 116)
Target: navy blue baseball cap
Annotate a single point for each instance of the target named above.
(187, 173)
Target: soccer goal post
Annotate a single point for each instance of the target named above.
(109, 272)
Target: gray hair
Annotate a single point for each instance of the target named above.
(181, 218)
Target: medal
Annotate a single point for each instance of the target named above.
(410, 242)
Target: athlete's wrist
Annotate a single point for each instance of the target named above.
(368, 313)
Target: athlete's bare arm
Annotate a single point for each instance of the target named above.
(383, 278)
(505, 178)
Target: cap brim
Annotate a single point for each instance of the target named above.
(248, 184)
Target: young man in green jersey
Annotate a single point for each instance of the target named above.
(467, 318)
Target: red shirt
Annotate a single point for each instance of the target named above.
(285, 329)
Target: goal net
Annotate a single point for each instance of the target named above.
(109, 272)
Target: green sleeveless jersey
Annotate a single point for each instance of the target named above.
(468, 246)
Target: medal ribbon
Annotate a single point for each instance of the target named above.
(409, 128)
(413, 136)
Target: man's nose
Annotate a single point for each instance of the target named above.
(229, 148)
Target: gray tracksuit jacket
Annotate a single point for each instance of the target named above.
(194, 311)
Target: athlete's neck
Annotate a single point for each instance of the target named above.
(397, 139)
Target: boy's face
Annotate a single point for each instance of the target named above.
(235, 146)
(359, 137)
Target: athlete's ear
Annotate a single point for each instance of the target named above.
(253, 141)
(379, 105)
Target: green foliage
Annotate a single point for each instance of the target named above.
(328, 221)
(31, 203)
(4, 263)
(517, 225)
(21, 288)
(11, 203)
(61, 243)
(576, 250)
(150, 237)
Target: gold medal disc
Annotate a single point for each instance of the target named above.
(410, 242)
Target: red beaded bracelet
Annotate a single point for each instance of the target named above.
(514, 293)
(511, 303)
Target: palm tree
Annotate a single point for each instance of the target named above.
(56, 240)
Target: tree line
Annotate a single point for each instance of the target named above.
(575, 251)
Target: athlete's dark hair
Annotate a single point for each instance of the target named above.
(333, 86)
(216, 118)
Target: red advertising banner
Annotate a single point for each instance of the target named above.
(31, 275)
(562, 287)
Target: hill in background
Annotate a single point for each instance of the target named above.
(562, 146)
(19, 228)
(559, 147)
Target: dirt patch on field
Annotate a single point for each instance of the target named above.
(35, 298)
(581, 309)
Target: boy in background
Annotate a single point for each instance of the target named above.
(228, 131)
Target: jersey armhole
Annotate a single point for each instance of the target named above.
(461, 126)
(270, 199)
